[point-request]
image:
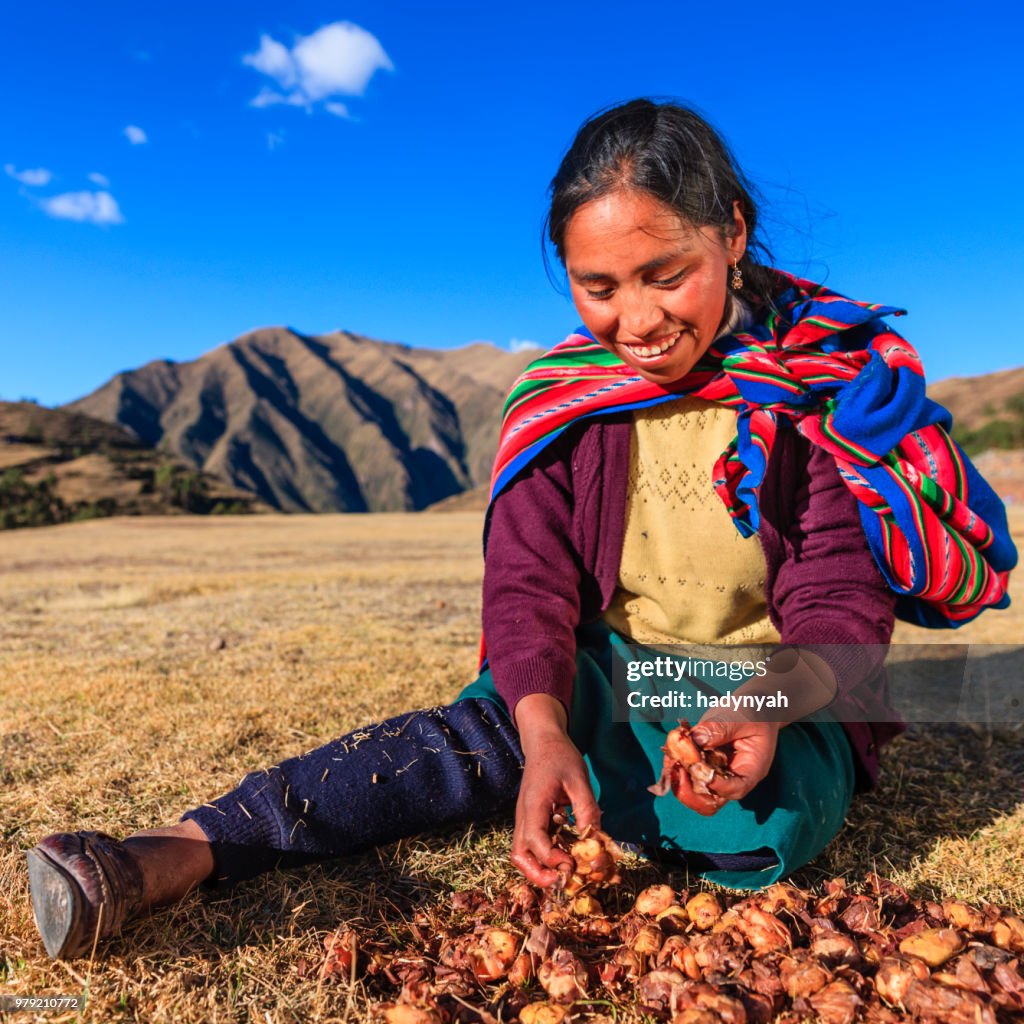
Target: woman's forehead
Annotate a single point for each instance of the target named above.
(631, 228)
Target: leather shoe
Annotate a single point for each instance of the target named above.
(82, 883)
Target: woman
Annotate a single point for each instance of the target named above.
(650, 488)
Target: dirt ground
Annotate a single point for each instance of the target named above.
(147, 664)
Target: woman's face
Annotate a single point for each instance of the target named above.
(648, 285)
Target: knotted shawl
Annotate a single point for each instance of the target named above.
(832, 368)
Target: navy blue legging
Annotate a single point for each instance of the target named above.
(416, 773)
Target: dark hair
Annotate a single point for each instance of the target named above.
(670, 152)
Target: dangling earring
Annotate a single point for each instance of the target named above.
(737, 275)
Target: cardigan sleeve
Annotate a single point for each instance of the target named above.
(531, 590)
(830, 595)
(828, 590)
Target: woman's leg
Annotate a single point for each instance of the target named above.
(173, 860)
(411, 774)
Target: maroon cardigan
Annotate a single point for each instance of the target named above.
(553, 545)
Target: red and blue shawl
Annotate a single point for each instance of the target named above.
(833, 369)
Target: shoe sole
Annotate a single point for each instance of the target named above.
(58, 905)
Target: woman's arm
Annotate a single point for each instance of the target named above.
(554, 776)
(531, 607)
(808, 683)
(531, 591)
(828, 591)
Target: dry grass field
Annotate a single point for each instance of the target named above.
(147, 664)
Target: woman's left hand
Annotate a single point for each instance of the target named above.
(751, 750)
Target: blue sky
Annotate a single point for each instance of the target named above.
(382, 167)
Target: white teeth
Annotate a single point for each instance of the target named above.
(646, 351)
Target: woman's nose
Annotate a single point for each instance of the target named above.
(638, 315)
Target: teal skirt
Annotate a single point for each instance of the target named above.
(794, 812)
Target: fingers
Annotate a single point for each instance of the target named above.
(745, 773)
(532, 849)
(539, 859)
(732, 787)
(527, 862)
(750, 760)
(714, 732)
(584, 807)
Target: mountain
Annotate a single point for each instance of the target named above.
(468, 501)
(342, 422)
(988, 420)
(326, 423)
(973, 401)
(988, 411)
(57, 466)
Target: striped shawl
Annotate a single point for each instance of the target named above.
(833, 369)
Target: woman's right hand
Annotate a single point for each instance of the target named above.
(554, 776)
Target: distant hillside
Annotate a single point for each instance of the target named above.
(58, 466)
(1004, 470)
(336, 422)
(988, 411)
(469, 501)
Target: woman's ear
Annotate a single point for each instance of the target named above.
(737, 233)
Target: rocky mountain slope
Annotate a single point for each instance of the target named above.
(328, 423)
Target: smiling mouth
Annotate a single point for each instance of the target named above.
(655, 350)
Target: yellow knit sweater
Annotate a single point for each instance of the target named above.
(687, 576)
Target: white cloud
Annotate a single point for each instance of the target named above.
(273, 59)
(99, 179)
(135, 135)
(91, 207)
(269, 97)
(523, 345)
(336, 60)
(30, 176)
(274, 140)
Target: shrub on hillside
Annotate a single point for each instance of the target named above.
(994, 434)
(24, 503)
(181, 487)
